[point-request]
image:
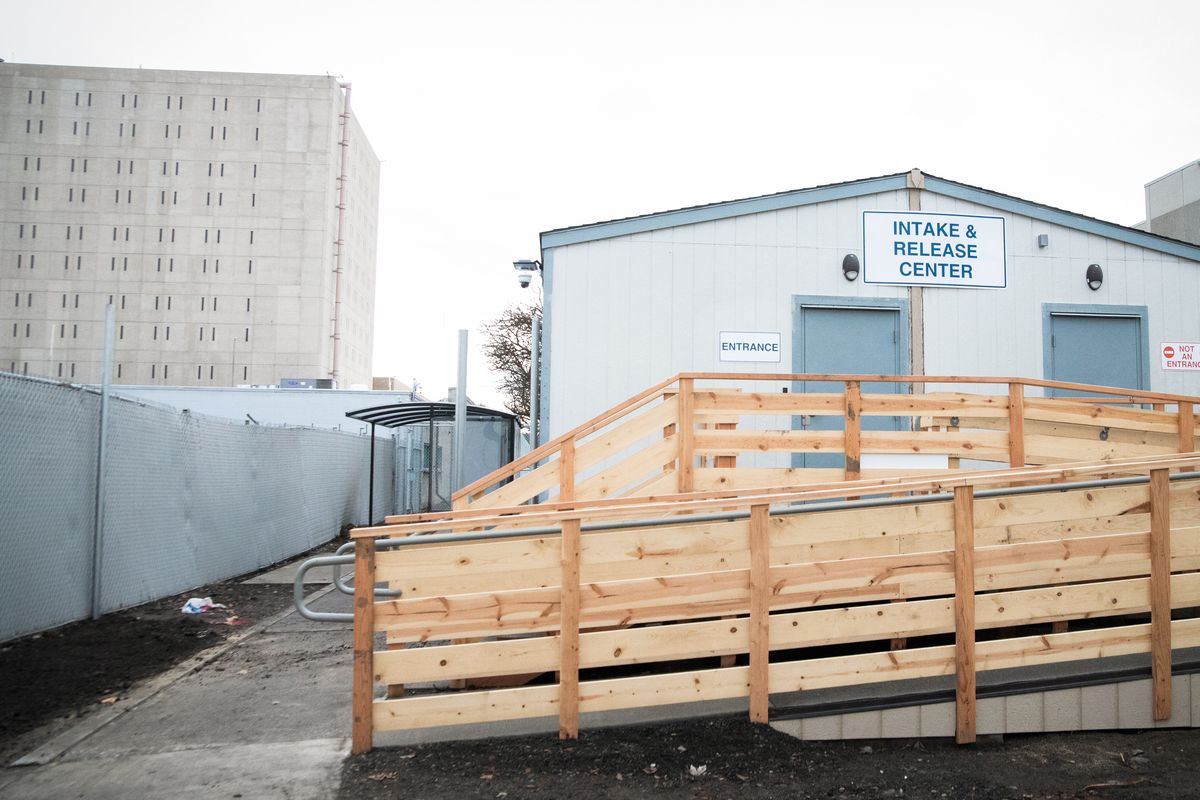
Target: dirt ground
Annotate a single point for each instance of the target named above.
(49, 680)
(731, 758)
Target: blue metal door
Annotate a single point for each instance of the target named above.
(846, 340)
(1086, 348)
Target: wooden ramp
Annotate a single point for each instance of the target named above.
(659, 571)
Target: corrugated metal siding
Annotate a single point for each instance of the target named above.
(632, 310)
(1109, 706)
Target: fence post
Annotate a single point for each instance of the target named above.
(568, 666)
(1187, 429)
(102, 468)
(1160, 591)
(1016, 424)
(566, 471)
(363, 687)
(760, 621)
(852, 446)
(687, 435)
(964, 614)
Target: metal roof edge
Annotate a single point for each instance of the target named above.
(724, 210)
(857, 188)
(1057, 216)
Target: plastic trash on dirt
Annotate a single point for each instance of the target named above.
(198, 605)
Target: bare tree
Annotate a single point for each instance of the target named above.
(507, 343)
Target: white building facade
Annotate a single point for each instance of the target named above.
(630, 302)
(204, 207)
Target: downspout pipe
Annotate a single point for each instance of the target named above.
(339, 244)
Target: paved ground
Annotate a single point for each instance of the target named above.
(266, 718)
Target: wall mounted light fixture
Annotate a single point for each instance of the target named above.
(1094, 276)
(850, 266)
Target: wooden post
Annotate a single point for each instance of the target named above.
(964, 613)
(853, 436)
(566, 471)
(1187, 429)
(568, 666)
(1016, 425)
(669, 430)
(1160, 591)
(725, 461)
(363, 680)
(686, 475)
(760, 608)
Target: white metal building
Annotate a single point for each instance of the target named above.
(632, 301)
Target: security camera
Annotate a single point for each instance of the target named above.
(525, 278)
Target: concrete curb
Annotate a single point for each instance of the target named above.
(53, 749)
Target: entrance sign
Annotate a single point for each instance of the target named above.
(912, 248)
(750, 346)
(1180, 355)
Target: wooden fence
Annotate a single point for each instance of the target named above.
(687, 434)
(668, 586)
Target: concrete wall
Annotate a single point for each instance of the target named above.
(1173, 204)
(202, 204)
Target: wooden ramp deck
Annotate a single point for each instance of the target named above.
(657, 571)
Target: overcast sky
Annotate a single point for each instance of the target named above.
(498, 120)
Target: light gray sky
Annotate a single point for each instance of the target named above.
(497, 120)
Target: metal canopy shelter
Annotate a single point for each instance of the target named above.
(398, 415)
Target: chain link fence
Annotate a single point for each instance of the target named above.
(189, 499)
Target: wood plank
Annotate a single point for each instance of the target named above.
(783, 479)
(735, 441)
(613, 441)
(685, 470)
(362, 677)
(724, 461)
(568, 669)
(1016, 425)
(1187, 428)
(706, 501)
(810, 628)
(551, 447)
(964, 615)
(966, 444)
(760, 588)
(459, 568)
(1054, 449)
(824, 583)
(966, 406)
(1160, 592)
(791, 403)
(616, 477)
(677, 687)
(852, 445)
(566, 472)
(997, 654)
(522, 489)
(1065, 410)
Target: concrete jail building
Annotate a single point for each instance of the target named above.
(229, 218)
(899, 274)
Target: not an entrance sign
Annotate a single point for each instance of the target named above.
(911, 248)
(1180, 355)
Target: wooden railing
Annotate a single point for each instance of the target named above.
(687, 434)
(784, 574)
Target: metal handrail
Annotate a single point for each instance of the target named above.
(339, 559)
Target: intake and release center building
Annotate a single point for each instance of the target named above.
(900, 274)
